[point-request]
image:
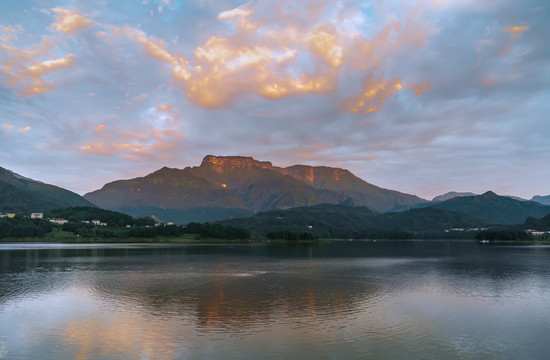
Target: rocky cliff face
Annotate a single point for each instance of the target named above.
(222, 164)
(243, 182)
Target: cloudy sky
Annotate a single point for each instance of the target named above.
(422, 97)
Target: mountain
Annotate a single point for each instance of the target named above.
(451, 195)
(233, 185)
(495, 209)
(21, 194)
(261, 186)
(341, 221)
(427, 219)
(324, 220)
(344, 182)
(516, 198)
(542, 224)
(545, 200)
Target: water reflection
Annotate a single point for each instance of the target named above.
(345, 300)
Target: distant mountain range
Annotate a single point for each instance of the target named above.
(243, 188)
(232, 186)
(545, 200)
(495, 209)
(451, 195)
(467, 212)
(341, 221)
(490, 207)
(21, 194)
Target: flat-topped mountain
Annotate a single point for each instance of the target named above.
(245, 184)
(21, 194)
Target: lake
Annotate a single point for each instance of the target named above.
(337, 300)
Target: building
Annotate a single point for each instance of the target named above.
(37, 215)
(59, 221)
(10, 215)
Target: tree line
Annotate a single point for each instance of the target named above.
(87, 213)
(21, 226)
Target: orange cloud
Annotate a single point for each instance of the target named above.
(489, 82)
(241, 11)
(420, 89)
(162, 135)
(515, 31)
(68, 21)
(326, 45)
(49, 65)
(374, 94)
(139, 97)
(25, 129)
(7, 29)
(25, 72)
(263, 59)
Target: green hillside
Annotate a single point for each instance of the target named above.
(495, 209)
(22, 195)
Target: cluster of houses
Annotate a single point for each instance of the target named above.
(12, 215)
(92, 222)
(55, 220)
(536, 232)
(464, 229)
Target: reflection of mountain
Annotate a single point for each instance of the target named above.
(230, 290)
(247, 299)
(19, 263)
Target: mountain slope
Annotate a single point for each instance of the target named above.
(344, 182)
(324, 220)
(427, 219)
(542, 224)
(339, 221)
(21, 194)
(237, 182)
(451, 195)
(544, 200)
(165, 188)
(260, 187)
(495, 209)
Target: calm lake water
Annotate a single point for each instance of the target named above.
(346, 300)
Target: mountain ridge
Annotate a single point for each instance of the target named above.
(495, 209)
(246, 183)
(21, 194)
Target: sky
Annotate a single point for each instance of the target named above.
(423, 97)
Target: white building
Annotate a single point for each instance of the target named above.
(37, 215)
(59, 221)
